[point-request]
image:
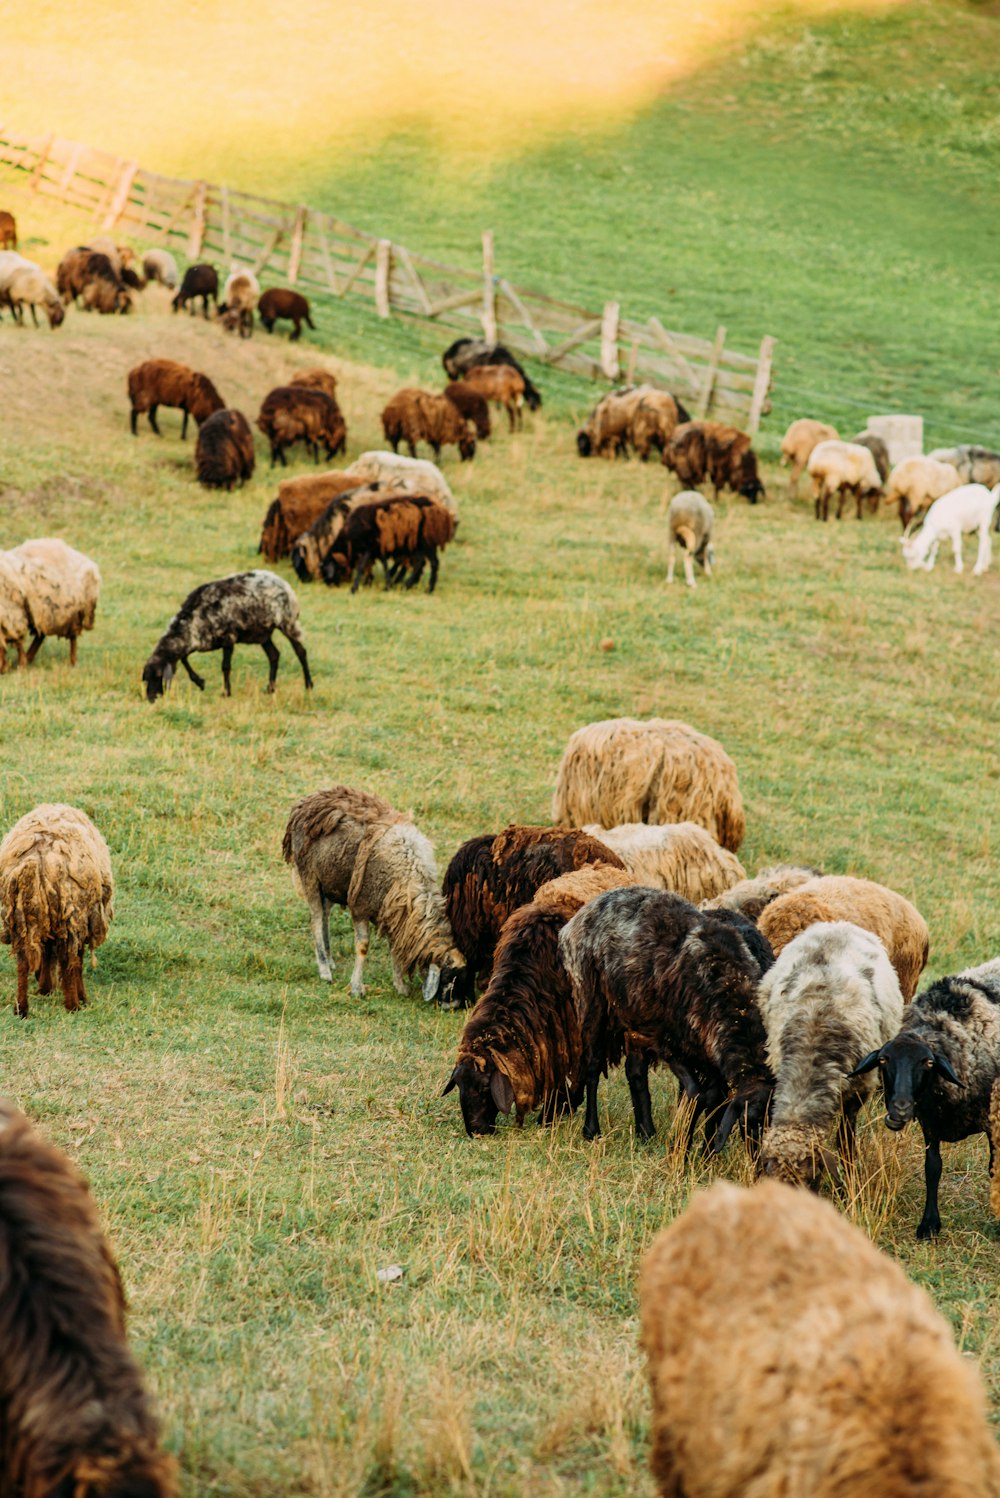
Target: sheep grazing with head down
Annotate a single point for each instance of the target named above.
(312, 546)
(240, 296)
(75, 1419)
(876, 446)
(751, 896)
(402, 531)
(788, 1357)
(56, 899)
(199, 281)
(468, 353)
(299, 503)
(279, 303)
(160, 266)
(843, 470)
(316, 379)
(244, 609)
(654, 421)
(681, 856)
(703, 450)
(471, 406)
(59, 590)
(25, 284)
(398, 474)
(350, 848)
(165, 382)
(690, 520)
(608, 429)
(414, 416)
(224, 455)
(967, 510)
(501, 385)
(295, 413)
(661, 770)
(916, 483)
(798, 443)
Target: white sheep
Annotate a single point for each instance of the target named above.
(679, 856)
(417, 475)
(915, 483)
(842, 468)
(60, 588)
(160, 265)
(965, 509)
(29, 286)
(798, 443)
(690, 518)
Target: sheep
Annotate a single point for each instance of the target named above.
(690, 519)
(75, 1418)
(659, 980)
(798, 443)
(160, 265)
(224, 455)
(103, 289)
(662, 770)
(490, 876)
(316, 379)
(789, 1358)
(681, 857)
(56, 899)
(349, 848)
(413, 416)
(654, 421)
(942, 1069)
(60, 589)
(15, 621)
(406, 529)
(71, 273)
(8, 230)
(831, 996)
(838, 897)
(471, 405)
(240, 296)
(415, 475)
(121, 256)
(165, 382)
(299, 504)
(968, 508)
(974, 465)
(467, 353)
(878, 450)
(916, 483)
(750, 896)
(701, 450)
(608, 429)
(280, 303)
(500, 384)
(294, 413)
(243, 609)
(842, 469)
(199, 281)
(521, 1045)
(29, 286)
(10, 263)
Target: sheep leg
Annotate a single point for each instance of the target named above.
(34, 648)
(956, 546)
(151, 416)
(985, 550)
(511, 415)
(199, 681)
(21, 1001)
(296, 334)
(133, 419)
(360, 953)
(399, 982)
(319, 918)
(270, 649)
(688, 569)
(433, 556)
(637, 1075)
(418, 567)
(303, 659)
(45, 979)
(72, 650)
(184, 424)
(67, 980)
(670, 560)
(364, 564)
(227, 662)
(22, 659)
(591, 1122)
(793, 479)
(930, 1224)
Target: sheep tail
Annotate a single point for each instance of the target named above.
(995, 1151)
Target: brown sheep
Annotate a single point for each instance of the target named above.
(502, 385)
(879, 451)
(164, 382)
(798, 442)
(654, 421)
(92, 276)
(8, 230)
(312, 547)
(300, 502)
(403, 529)
(608, 429)
(470, 404)
(750, 896)
(789, 1358)
(414, 416)
(294, 413)
(224, 455)
(279, 302)
(74, 1416)
(56, 899)
(316, 379)
(701, 450)
(239, 298)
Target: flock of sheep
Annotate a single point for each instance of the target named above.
(626, 933)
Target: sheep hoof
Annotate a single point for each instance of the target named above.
(358, 990)
(326, 975)
(929, 1228)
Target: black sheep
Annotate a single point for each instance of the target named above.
(199, 281)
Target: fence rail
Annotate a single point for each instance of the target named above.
(300, 246)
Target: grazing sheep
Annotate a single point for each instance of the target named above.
(492, 875)
(121, 256)
(412, 475)
(789, 1358)
(654, 421)
(843, 469)
(468, 353)
(831, 996)
(414, 416)
(75, 1419)
(878, 450)
(199, 281)
(690, 519)
(969, 508)
(798, 443)
(295, 413)
(943, 1069)
(521, 1045)
(10, 264)
(916, 483)
(313, 545)
(160, 266)
(30, 287)
(837, 897)
(471, 406)
(240, 296)
(14, 619)
(60, 588)
(404, 529)
(751, 895)
(701, 450)
(280, 303)
(681, 857)
(56, 899)
(500, 384)
(662, 770)
(659, 980)
(164, 382)
(351, 849)
(91, 276)
(316, 379)
(243, 609)
(71, 276)
(224, 455)
(8, 230)
(299, 504)
(608, 429)
(974, 465)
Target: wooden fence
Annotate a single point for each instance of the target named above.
(299, 246)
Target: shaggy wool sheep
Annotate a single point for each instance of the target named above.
(968, 509)
(690, 519)
(607, 431)
(681, 856)
(164, 382)
(95, 278)
(843, 469)
(703, 450)
(798, 442)
(224, 455)
(312, 546)
(400, 474)
(878, 450)
(295, 413)
(350, 848)
(974, 465)
(662, 770)
(56, 899)
(414, 416)
(750, 896)
(789, 1358)
(466, 353)
(471, 406)
(160, 266)
(654, 421)
(916, 483)
(14, 619)
(404, 530)
(279, 304)
(60, 589)
(838, 897)
(199, 281)
(316, 379)
(8, 230)
(299, 504)
(501, 385)
(240, 296)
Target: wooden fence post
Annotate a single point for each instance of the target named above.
(383, 263)
(227, 241)
(35, 180)
(489, 314)
(295, 253)
(633, 358)
(705, 399)
(761, 384)
(198, 227)
(120, 198)
(609, 341)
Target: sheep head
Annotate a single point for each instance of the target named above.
(467, 446)
(483, 1093)
(157, 674)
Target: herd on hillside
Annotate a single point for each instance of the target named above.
(627, 933)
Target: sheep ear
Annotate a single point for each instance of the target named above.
(725, 1128)
(944, 1069)
(870, 1061)
(502, 1091)
(451, 1083)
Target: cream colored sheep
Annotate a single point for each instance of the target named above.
(843, 468)
(160, 265)
(680, 856)
(14, 621)
(690, 519)
(662, 770)
(240, 296)
(56, 899)
(401, 474)
(788, 1358)
(29, 286)
(916, 483)
(798, 442)
(60, 587)
(751, 895)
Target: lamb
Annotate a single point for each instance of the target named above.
(467, 353)
(160, 265)
(199, 281)
(968, 508)
(406, 529)
(30, 287)
(690, 518)
(681, 857)
(224, 455)
(521, 1046)
(165, 382)
(413, 475)
(243, 609)
(608, 429)
(500, 384)
(798, 443)
(240, 296)
(350, 848)
(916, 483)
(750, 896)
(414, 416)
(842, 469)
(294, 413)
(838, 897)
(316, 379)
(788, 1357)
(701, 450)
(662, 770)
(830, 997)
(878, 450)
(300, 502)
(75, 1418)
(280, 303)
(8, 230)
(943, 1069)
(471, 406)
(56, 899)
(654, 421)
(492, 875)
(60, 589)
(662, 981)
